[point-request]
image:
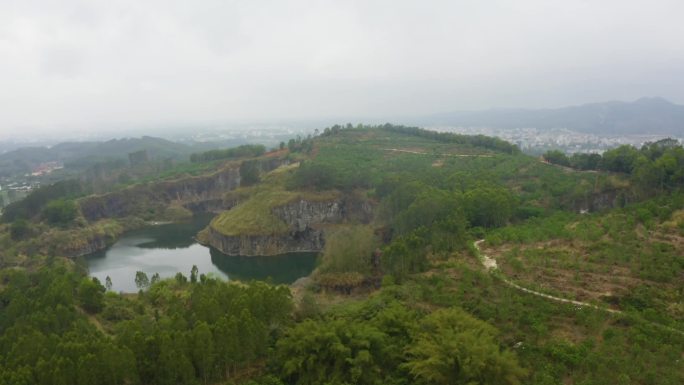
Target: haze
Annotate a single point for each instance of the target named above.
(89, 66)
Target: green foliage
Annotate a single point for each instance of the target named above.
(314, 176)
(91, 295)
(204, 333)
(300, 145)
(489, 206)
(249, 172)
(45, 340)
(452, 347)
(349, 249)
(620, 159)
(141, 280)
(34, 203)
(56, 326)
(582, 161)
(60, 212)
(428, 206)
(244, 151)
(556, 157)
(654, 168)
(20, 229)
(193, 274)
(406, 254)
(334, 352)
(471, 140)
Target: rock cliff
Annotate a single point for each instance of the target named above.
(152, 198)
(306, 220)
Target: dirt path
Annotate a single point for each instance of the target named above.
(430, 153)
(490, 265)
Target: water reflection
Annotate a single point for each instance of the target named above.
(285, 268)
(170, 248)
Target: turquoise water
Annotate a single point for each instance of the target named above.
(170, 248)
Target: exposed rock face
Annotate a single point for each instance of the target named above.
(307, 240)
(307, 221)
(87, 246)
(190, 192)
(300, 215)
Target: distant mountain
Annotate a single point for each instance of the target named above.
(83, 154)
(643, 116)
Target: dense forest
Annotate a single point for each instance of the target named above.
(402, 298)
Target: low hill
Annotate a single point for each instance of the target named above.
(83, 154)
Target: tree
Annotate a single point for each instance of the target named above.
(620, 159)
(108, 283)
(141, 280)
(249, 172)
(585, 161)
(406, 254)
(180, 278)
(331, 352)
(20, 229)
(193, 274)
(430, 206)
(203, 350)
(60, 212)
(349, 249)
(314, 175)
(173, 365)
(646, 175)
(489, 206)
(557, 157)
(155, 278)
(453, 347)
(227, 344)
(91, 295)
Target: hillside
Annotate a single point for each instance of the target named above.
(403, 219)
(643, 116)
(80, 155)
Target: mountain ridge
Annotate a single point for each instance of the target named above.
(647, 115)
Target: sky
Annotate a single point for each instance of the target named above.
(100, 64)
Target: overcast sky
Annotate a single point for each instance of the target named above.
(91, 64)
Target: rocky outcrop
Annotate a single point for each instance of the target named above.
(297, 241)
(87, 246)
(302, 214)
(307, 221)
(152, 198)
(198, 194)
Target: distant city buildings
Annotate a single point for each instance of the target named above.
(46, 168)
(536, 141)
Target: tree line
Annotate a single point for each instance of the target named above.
(656, 166)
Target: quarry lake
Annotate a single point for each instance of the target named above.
(171, 248)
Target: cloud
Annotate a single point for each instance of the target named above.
(89, 63)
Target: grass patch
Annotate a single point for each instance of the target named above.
(254, 216)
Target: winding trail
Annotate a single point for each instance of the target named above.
(491, 266)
